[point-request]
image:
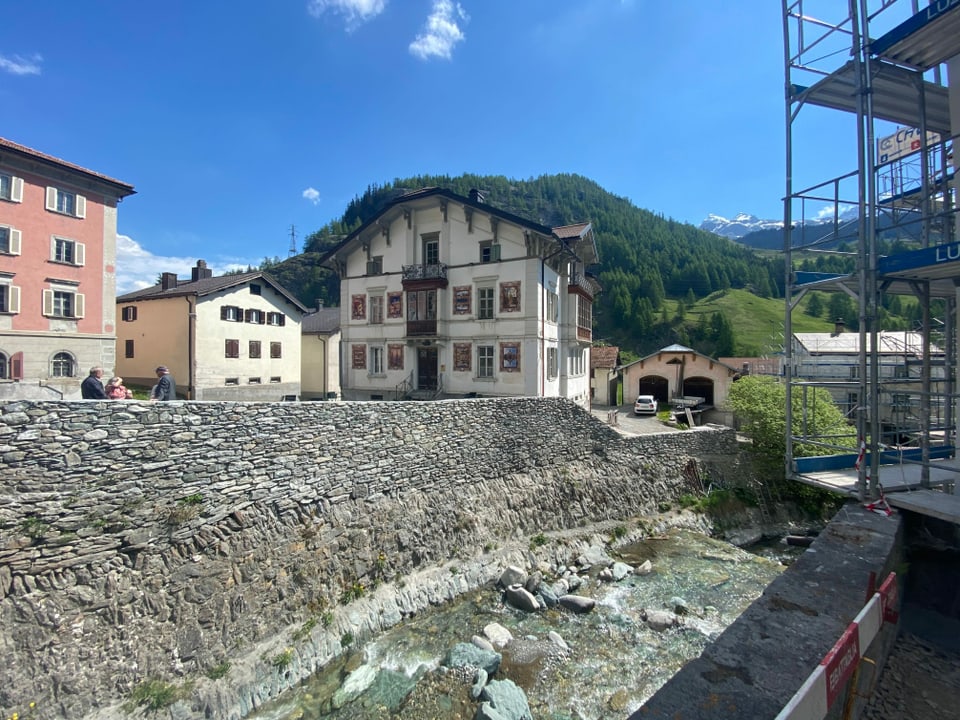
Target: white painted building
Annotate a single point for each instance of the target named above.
(235, 337)
(447, 296)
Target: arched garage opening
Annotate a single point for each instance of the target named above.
(653, 385)
(699, 387)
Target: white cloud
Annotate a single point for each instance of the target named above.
(312, 194)
(356, 12)
(138, 268)
(17, 65)
(441, 32)
(827, 211)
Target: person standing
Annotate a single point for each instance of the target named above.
(116, 391)
(166, 388)
(92, 387)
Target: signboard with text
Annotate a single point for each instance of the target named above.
(903, 142)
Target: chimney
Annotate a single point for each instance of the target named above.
(200, 272)
(476, 196)
(319, 305)
(837, 327)
(168, 281)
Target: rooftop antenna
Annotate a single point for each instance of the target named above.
(293, 241)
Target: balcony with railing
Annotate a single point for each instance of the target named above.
(435, 271)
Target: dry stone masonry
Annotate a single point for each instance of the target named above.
(159, 542)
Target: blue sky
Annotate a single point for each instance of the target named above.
(237, 120)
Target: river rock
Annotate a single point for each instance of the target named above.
(578, 603)
(481, 642)
(644, 568)
(497, 634)
(532, 584)
(573, 582)
(621, 570)
(557, 640)
(560, 587)
(503, 700)
(467, 655)
(606, 575)
(356, 682)
(513, 575)
(479, 682)
(520, 598)
(660, 620)
(678, 605)
(594, 555)
(548, 596)
(744, 537)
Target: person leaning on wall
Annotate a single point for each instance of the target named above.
(92, 387)
(166, 388)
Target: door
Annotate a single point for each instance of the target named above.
(427, 368)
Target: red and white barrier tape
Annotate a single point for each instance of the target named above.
(825, 684)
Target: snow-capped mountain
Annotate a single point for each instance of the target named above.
(737, 227)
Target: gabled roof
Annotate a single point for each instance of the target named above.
(122, 189)
(604, 357)
(889, 342)
(324, 321)
(676, 349)
(576, 238)
(209, 286)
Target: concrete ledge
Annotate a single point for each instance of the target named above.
(754, 668)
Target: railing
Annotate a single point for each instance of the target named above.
(403, 389)
(420, 328)
(437, 271)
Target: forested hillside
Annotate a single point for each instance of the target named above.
(652, 268)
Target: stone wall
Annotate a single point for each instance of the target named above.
(147, 541)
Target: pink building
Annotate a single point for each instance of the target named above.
(58, 246)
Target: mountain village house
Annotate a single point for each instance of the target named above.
(234, 337)
(605, 383)
(447, 296)
(58, 240)
(320, 354)
(675, 372)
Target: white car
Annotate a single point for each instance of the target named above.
(645, 405)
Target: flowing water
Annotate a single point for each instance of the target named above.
(614, 663)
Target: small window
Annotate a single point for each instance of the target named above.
(62, 365)
(275, 379)
(276, 350)
(485, 361)
(375, 265)
(231, 313)
(376, 360)
(489, 252)
(376, 309)
(128, 348)
(66, 203)
(68, 252)
(275, 318)
(255, 289)
(552, 304)
(63, 304)
(9, 240)
(552, 363)
(253, 381)
(231, 349)
(9, 299)
(254, 350)
(431, 249)
(4, 367)
(11, 188)
(129, 314)
(257, 317)
(485, 303)
(231, 381)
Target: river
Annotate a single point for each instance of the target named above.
(613, 662)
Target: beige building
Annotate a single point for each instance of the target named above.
(605, 377)
(449, 296)
(320, 355)
(234, 337)
(677, 371)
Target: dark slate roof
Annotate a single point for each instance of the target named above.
(324, 321)
(122, 188)
(208, 286)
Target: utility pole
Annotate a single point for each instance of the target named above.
(293, 241)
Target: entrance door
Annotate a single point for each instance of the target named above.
(427, 368)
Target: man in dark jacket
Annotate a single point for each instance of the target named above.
(166, 388)
(92, 387)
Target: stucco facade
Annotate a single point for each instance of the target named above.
(678, 371)
(58, 237)
(235, 337)
(447, 296)
(320, 355)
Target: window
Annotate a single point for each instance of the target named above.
(422, 305)
(253, 381)
(275, 378)
(9, 299)
(584, 314)
(431, 249)
(128, 348)
(376, 360)
(11, 188)
(129, 314)
(275, 318)
(375, 265)
(231, 381)
(231, 348)
(276, 350)
(376, 309)
(11, 367)
(4, 367)
(577, 362)
(66, 203)
(9, 240)
(551, 362)
(257, 317)
(231, 313)
(485, 303)
(63, 304)
(62, 365)
(254, 350)
(489, 252)
(67, 251)
(552, 304)
(485, 361)
(255, 289)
